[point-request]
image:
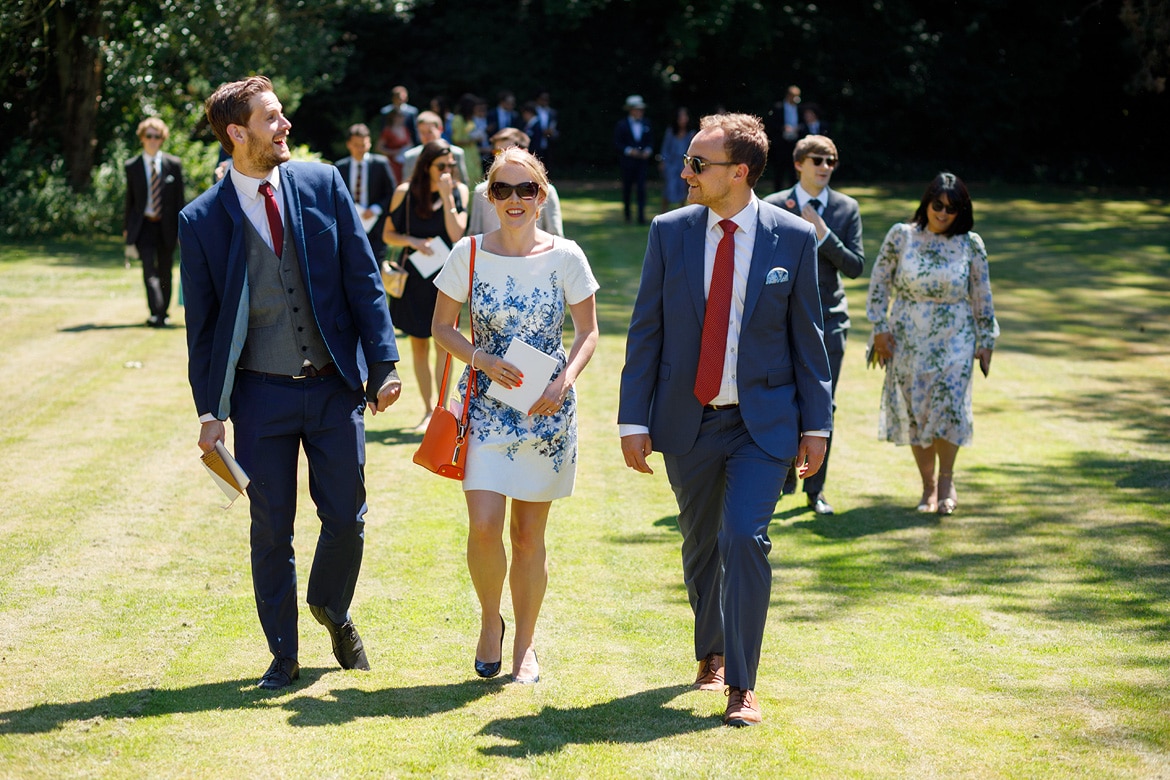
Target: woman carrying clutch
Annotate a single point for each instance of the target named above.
(932, 314)
(524, 280)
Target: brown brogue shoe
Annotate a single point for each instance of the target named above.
(742, 708)
(710, 676)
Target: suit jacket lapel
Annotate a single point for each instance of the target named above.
(762, 254)
(694, 243)
(294, 225)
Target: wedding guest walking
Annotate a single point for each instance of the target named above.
(525, 278)
(154, 197)
(933, 318)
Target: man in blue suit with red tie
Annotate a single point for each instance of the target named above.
(726, 375)
(286, 319)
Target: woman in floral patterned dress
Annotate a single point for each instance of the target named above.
(524, 280)
(932, 314)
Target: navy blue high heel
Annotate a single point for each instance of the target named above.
(485, 669)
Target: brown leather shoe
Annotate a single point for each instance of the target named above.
(710, 677)
(742, 708)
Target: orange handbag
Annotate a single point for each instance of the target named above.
(444, 446)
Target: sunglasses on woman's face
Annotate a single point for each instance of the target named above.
(525, 190)
(445, 166)
(938, 205)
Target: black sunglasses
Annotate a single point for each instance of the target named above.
(818, 161)
(698, 163)
(444, 166)
(525, 190)
(938, 205)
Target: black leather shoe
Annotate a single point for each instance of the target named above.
(347, 645)
(491, 669)
(280, 673)
(819, 504)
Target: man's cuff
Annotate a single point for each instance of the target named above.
(206, 418)
(822, 434)
(625, 429)
(379, 373)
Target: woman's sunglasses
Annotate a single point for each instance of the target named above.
(938, 205)
(525, 190)
(698, 163)
(445, 166)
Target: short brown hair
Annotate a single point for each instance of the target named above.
(510, 136)
(814, 144)
(744, 140)
(231, 105)
(153, 123)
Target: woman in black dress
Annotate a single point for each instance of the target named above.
(427, 215)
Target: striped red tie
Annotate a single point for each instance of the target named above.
(275, 226)
(156, 188)
(713, 352)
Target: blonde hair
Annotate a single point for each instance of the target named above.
(153, 123)
(514, 155)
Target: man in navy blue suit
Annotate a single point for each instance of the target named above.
(286, 319)
(726, 375)
(635, 145)
(836, 218)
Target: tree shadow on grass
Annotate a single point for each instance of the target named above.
(639, 718)
(339, 706)
(874, 519)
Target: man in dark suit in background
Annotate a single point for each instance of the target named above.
(726, 376)
(503, 115)
(370, 182)
(634, 143)
(286, 318)
(154, 196)
(837, 221)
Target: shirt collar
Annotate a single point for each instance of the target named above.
(744, 221)
(802, 196)
(249, 186)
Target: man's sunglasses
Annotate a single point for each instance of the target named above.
(698, 163)
(525, 190)
(938, 205)
(818, 161)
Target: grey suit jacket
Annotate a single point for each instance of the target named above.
(782, 370)
(841, 252)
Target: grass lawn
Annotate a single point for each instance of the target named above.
(1026, 636)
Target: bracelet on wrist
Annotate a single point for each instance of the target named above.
(477, 349)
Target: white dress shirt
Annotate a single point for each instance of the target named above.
(252, 202)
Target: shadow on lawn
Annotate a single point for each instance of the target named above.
(1084, 541)
(338, 706)
(640, 717)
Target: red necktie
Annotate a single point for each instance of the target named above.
(713, 353)
(275, 226)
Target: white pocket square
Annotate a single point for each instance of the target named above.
(777, 276)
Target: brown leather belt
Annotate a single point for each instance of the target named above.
(309, 372)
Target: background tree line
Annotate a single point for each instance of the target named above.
(1063, 91)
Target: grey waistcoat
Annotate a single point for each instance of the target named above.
(282, 332)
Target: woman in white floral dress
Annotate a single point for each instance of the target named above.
(932, 314)
(524, 280)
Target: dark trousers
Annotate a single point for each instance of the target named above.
(814, 485)
(158, 260)
(273, 418)
(727, 489)
(634, 177)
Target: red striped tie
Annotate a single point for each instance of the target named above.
(713, 352)
(156, 188)
(275, 226)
